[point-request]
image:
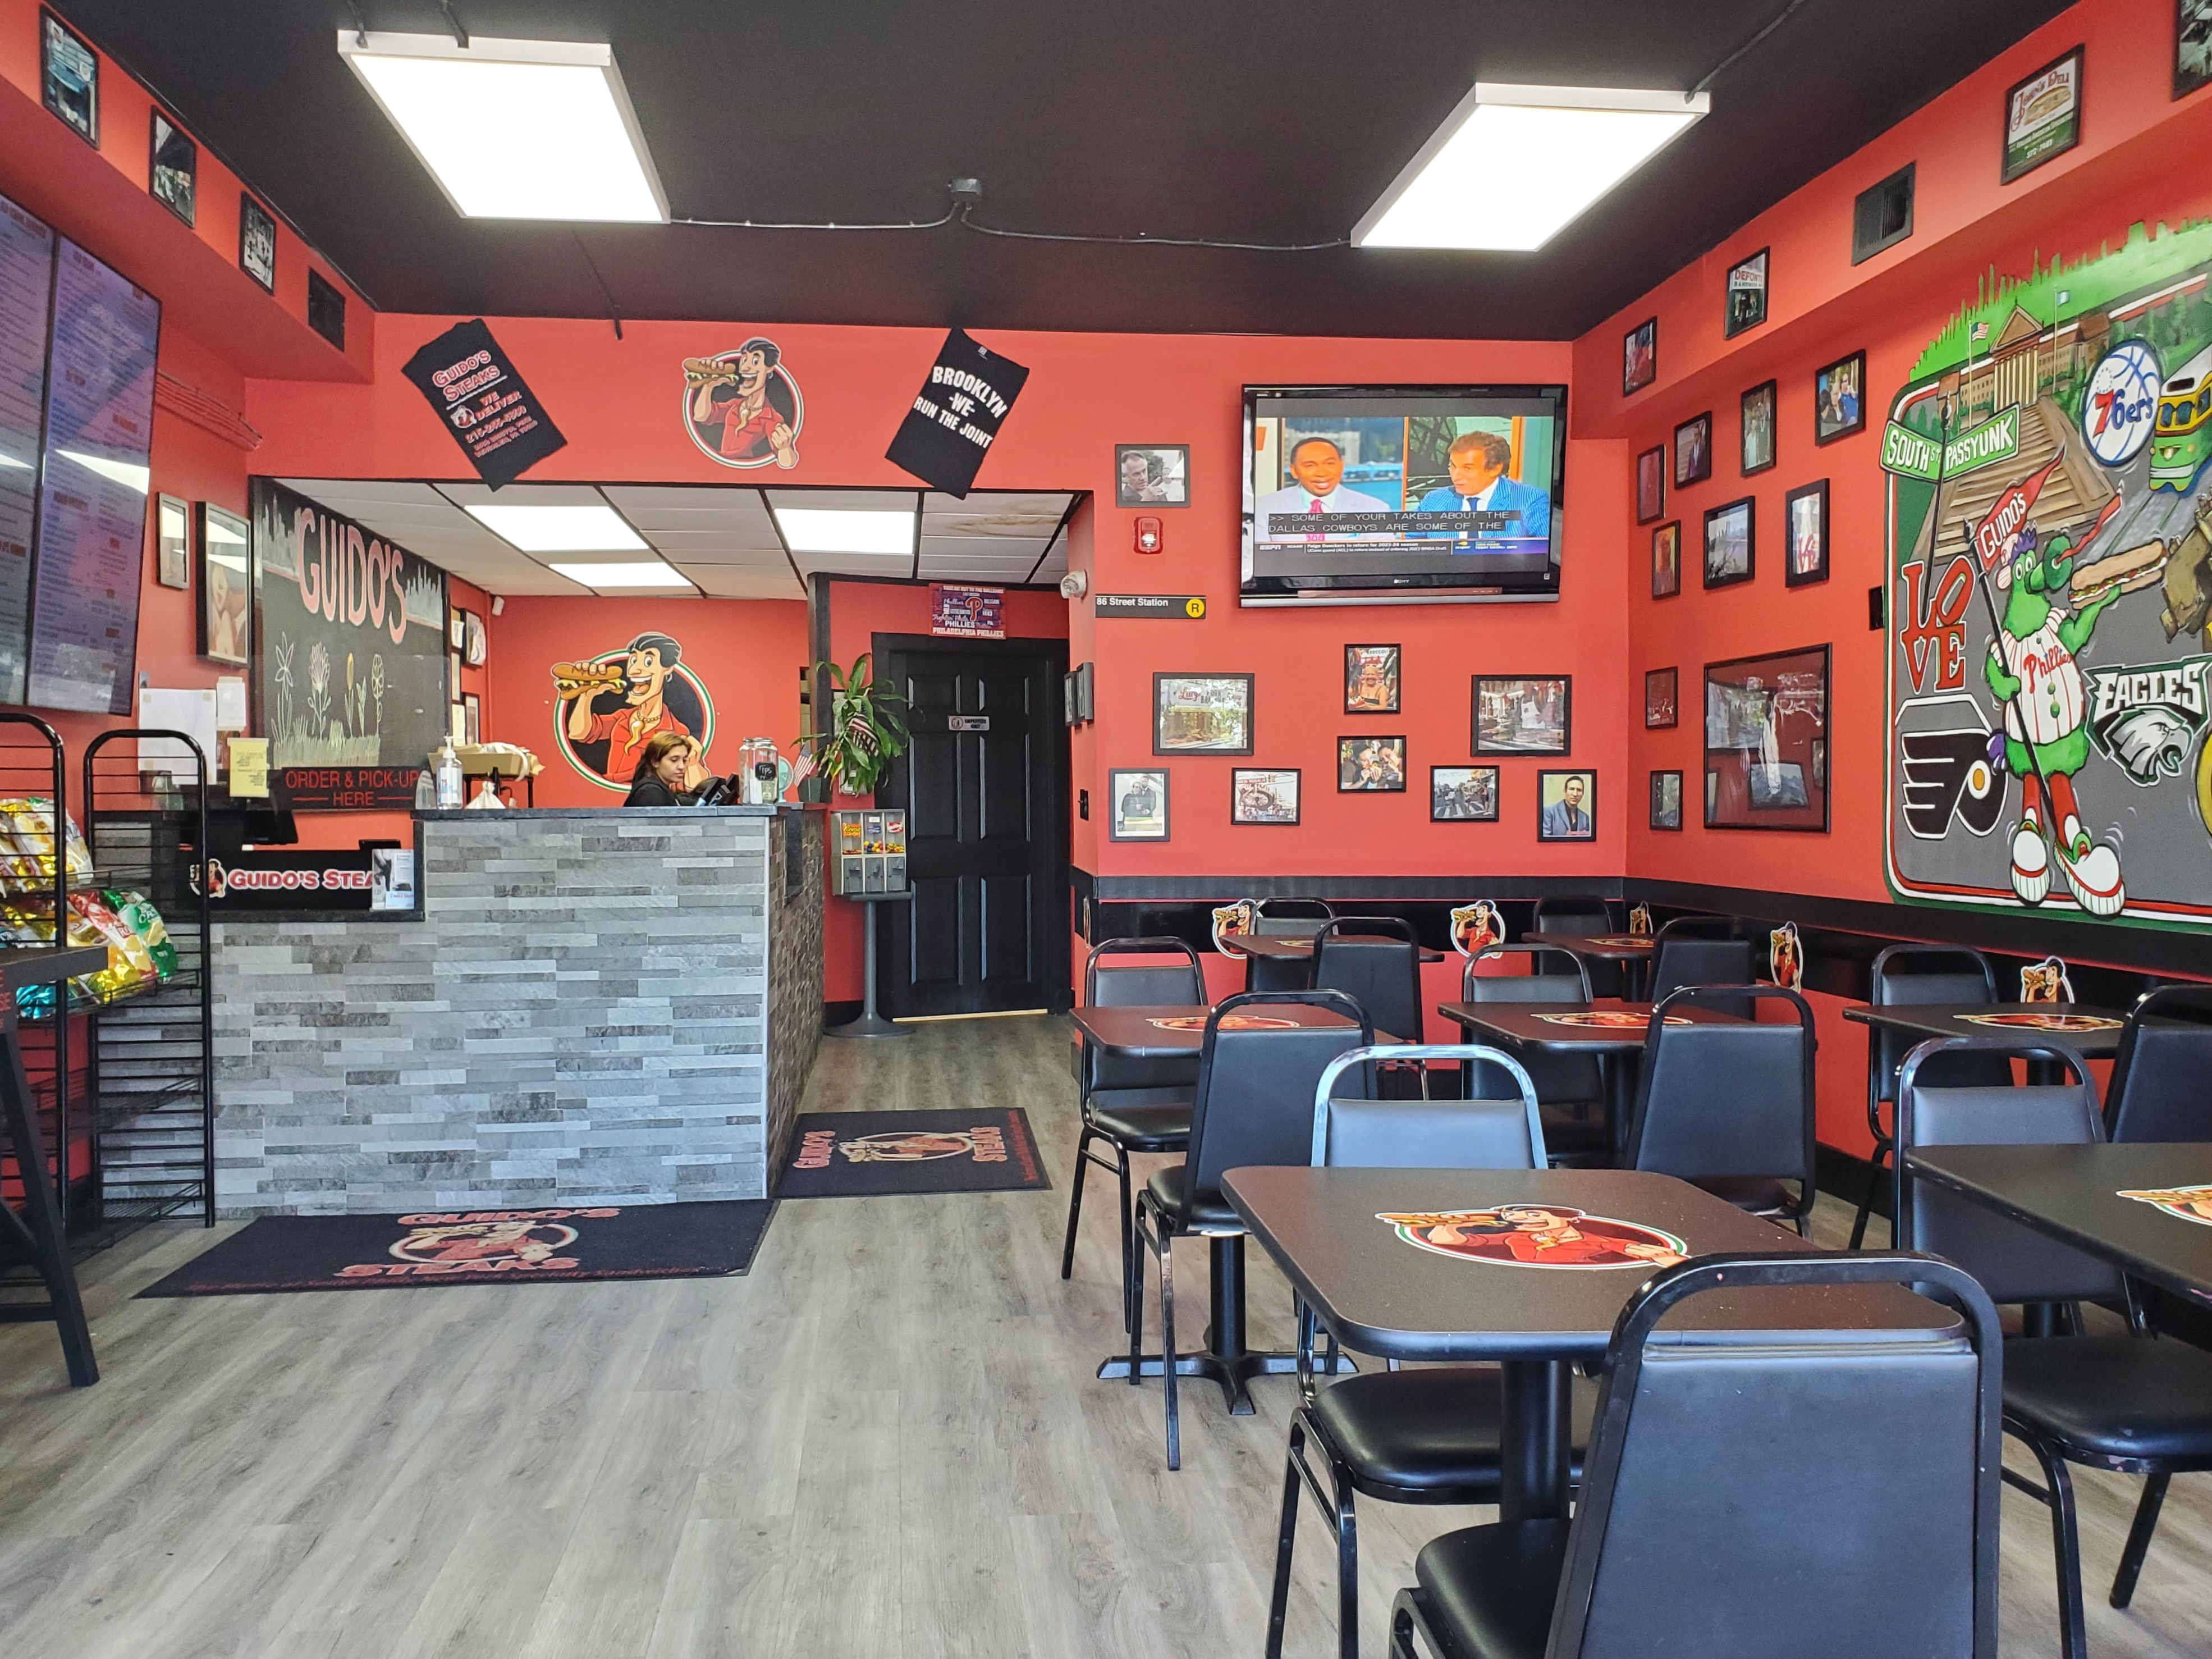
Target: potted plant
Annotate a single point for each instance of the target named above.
(866, 730)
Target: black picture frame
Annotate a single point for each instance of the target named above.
(2017, 157)
(1651, 484)
(1667, 560)
(1743, 304)
(69, 77)
(1834, 381)
(1764, 714)
(1086, 693)
(1666, 815)
(1796, 573)
(1693, 450)
(1587, 807)
(1662, 699)
(1500, 739)
(257, 242)
(1456, 795)
(1163, 744)
(471, 717)
(224, 612)
(1725, 575)
(1250, 787)
(1352, 761)
(1639, 357)
(2193, 46)
(172, 166)
(1117, 791)
(1167, 475)
(172, 541)
(1758, 414)
(1353, 660)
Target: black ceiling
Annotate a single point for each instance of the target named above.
(1276, 122)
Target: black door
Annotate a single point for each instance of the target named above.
(984, 786)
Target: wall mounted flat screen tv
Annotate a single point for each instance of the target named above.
(1415, 494)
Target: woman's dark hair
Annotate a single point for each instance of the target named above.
(654, 752)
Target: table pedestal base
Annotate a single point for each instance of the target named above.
(1535, 1427)
(1223, 1359)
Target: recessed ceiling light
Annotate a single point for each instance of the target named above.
(1513, 164)
(608, 577)
(847, 529)
(561, 529)
(514, 129)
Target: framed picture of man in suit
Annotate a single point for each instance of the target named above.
(1566, 806)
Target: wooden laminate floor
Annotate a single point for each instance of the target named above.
(886, 1441)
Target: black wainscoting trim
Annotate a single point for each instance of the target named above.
(1449, 890)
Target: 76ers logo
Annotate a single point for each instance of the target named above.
(2121, 407)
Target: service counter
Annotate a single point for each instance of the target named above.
(590, 1005)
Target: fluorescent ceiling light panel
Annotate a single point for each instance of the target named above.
(1515, 165)
(606, 577)
(515, 128)
(561, 529)
(847, 529)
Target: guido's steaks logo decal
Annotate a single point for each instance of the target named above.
(743, 408)
(481, 1242)
(859, 1154)
(1538, 1236)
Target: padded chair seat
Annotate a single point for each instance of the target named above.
(1492, 1587)
(1430, 1434)
(1145, 1128)
(2112, 1397)
(1760, 1194)
(1166, 1192)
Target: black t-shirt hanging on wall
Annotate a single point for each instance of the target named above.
(956, 415)
(502, 429)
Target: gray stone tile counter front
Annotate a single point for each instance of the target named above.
(597, 1006)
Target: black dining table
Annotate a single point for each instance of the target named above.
(2094, 1033)
(1632, 952)
(1539, 1296)
(1283, 962)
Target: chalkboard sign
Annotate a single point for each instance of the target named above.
(956, 416)
(27, 286)
(349, 654)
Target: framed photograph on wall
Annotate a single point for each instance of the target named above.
(1651, 484)
(1463, 794)
(2043, 117)
(1693, 450)
(1730, 550)
(1764, 716)
(1662, 695)
(256, 242)
(1755, 440)
(1370, 679)
(1566, 805)
(1666, 800)
(1667, 560)
(1639, 357)
(1263, 797)
(1137, 804)
(1805, 527)
(1839, 398)
(226, 587)
(1201, 714)
(68, 77)
(471, 717)
(1747, 294)
(2193, 46)
(1523, 715)
(172, 541)
(1371, 766)
(173, 168)
(1152, 475)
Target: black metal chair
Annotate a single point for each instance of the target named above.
(1253, 1106)
(2138, 1404)
(1569, 1087)
(1430, 1435)
(1376, 962)
(1927, 974)
(1729, 1108)
(1698, 950)
(1579, 914)
(1689, 1539)
(1285, 918)
(2161, 1077)
(1132, 1105)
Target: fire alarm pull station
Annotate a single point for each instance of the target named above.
(1149, 538)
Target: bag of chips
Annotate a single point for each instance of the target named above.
(128, 962)
(136, 912)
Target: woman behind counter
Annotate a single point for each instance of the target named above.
(669, 773)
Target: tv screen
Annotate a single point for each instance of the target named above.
(1407, 494)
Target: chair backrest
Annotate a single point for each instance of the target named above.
(2014, 1263)
(1352, 1130)
(1736, 1482)
(1928, 974)
(2159, 1088)
(1697, 950)
(1715, 1100)
(1376, 962)
(1555, 975)
(1256, 1087)
(1578, 913)
(1152, 984)
(1290, 917)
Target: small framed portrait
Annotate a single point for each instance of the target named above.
(1566, 806)
(1263, 797)
(2043, 117)
(1523, 716)
(1651, 484)
(1729, 543)
(1756, 443)
(1152, 475)
(172, 171)
(1662, 699)
(1370, 679)
(1819, 762)
(68, 77)
(1639, 357)
(1693, 450)
(1201, 714)
(1747, 294)
(1371, 766)
(1839, 400)
(1666, 800)
(256, 242)
(226, 587)
(1138, 805)
(2193, 46)
(471, 717)
(1667, 560)
(1463, 794)
(172, 541)
(1805, 522)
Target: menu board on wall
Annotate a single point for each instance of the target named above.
(349, 655)
(94, 478)
(27, 285)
